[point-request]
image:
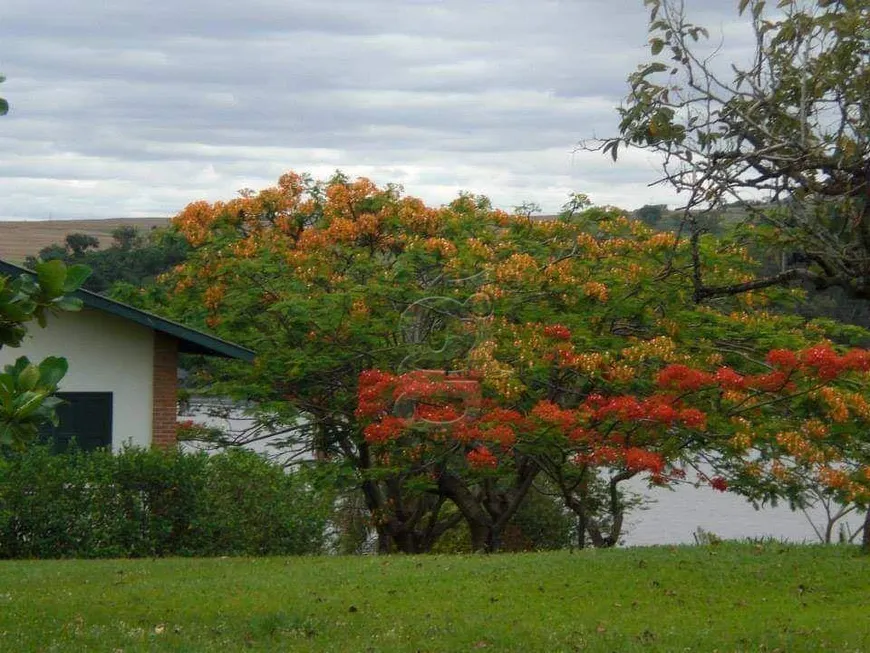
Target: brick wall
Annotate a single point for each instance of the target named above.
(165, 391)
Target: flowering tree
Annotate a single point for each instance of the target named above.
(451, 356)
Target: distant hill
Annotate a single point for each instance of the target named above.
(19, 239)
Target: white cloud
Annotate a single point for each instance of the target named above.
(132, 108)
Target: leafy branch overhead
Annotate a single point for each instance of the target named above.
(785, 132)
(26, 389)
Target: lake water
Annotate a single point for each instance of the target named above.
(673, 516)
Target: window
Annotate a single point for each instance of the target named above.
(85, 416)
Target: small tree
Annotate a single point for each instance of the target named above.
(78, 244)
(790, 126)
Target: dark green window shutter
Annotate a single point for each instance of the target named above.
(85, 416)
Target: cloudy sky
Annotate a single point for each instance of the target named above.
(131, 108)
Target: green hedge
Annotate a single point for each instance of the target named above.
(151, 503)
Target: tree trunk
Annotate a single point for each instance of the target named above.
(581, 531)
(385, 542)
(865, 537)
(479, 535)
(494, 541)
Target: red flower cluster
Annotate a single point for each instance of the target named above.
(547, 411)
(481, 458)
(623, 407)
(728, 379)
(503, 416)
(857, 360)
(503, 434)
(782, 359)
(825, 363)
(374, 387)
(693, 418)
(603, 455)
(771, 382)
(661, 409)
(469, 433)
(634, 459)
(378, 390)
(639, 460)
(820, 361)
(683, 378)
(437, 414)
(466, 432)
(580, 435)
(557, 332)
(389, 428)
(719, 483)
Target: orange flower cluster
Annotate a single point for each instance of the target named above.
(517, 268)
(596, 290)
(836, 407)
(441, 246)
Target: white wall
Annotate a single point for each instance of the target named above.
(106, 354)
(231, 418)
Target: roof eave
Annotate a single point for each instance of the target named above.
(191, 341)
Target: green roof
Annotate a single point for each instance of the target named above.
(190, 341)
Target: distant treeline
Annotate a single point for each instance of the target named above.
(133, 258)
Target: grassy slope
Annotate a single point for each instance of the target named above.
(19, 239)
(725, 598)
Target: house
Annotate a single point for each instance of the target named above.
(123, 365)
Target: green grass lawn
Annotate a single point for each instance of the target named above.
(721, 598)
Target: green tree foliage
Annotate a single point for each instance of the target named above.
(348, 290)
(26, 389)
(790, 125)
(132, 261)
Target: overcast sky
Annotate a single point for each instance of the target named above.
(125, 108)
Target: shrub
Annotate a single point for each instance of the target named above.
(154, 503)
